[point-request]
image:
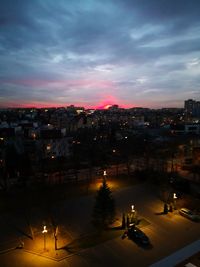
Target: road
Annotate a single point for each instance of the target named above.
(166, 232)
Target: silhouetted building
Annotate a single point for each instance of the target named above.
(192, 107)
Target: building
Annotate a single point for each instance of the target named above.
(52, 144)
(192, 108)
(193, 128)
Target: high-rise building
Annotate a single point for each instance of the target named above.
(197, 109)
(192, 107)
(189, 106)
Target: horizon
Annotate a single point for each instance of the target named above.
(106, 107)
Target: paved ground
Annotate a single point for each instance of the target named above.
(166, 232)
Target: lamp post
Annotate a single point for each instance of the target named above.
(55, 237)
(104, 175)
(132, 214)
(132, 208)
(44, 233)
(174, 198)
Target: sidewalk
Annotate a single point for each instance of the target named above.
(35, 247)
(45, 245)
(66, 246)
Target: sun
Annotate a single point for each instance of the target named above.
(107, 106)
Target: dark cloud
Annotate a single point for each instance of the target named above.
(159, 10)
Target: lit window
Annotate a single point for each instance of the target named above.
(48, 147)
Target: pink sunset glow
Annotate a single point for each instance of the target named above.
(61, 83)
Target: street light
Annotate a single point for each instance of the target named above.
(132, 208)
(48, 147)
(55, 237)
(174, 198)
(132, 214)
(44, 232)
(104, 175)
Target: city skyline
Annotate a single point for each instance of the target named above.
(99, 53)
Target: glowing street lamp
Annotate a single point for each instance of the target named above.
(44, 232)
(132, 214)
(104, 175)
(48, 147)
(174, 198)
(132, 209)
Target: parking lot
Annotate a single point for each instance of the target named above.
(167, 233)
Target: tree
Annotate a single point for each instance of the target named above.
(104, 208)
(165, 211)
(195, 170)
(24, 168)
(123, 221)
(11, 164)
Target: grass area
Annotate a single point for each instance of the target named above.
(93, 240)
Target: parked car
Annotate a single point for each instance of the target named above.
(189, 214)
(138, 236)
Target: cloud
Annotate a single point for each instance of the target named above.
(70, 51)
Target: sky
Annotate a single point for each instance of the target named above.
(95, 53)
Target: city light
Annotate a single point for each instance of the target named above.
(132, 208)
(174, 200)
(48, 147)
(33, 135)
(44, 233)
(133, 215)
(104, 175)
